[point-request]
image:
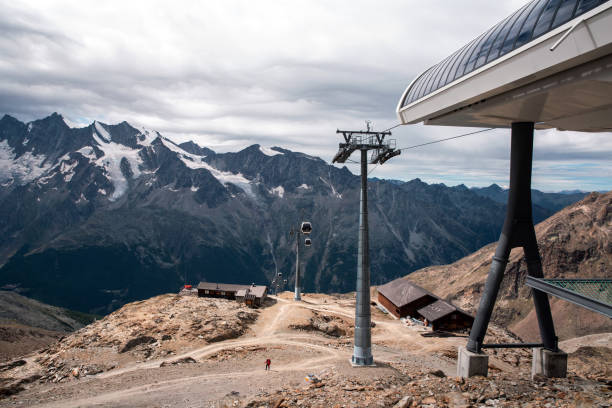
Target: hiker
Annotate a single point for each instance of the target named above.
(268, 364)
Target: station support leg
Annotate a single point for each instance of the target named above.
(518, 231)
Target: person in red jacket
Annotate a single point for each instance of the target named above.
(268, 364)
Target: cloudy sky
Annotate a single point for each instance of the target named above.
(228, 74)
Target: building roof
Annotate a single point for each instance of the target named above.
(241, 290)
(402, 292)
(542, 39)
(438, 310)
(226, 287)
(531, 21)
(258, 290)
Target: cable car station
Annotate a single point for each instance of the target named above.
(548, 65)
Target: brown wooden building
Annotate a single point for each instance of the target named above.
(403, 298)
(445, 316)
(253, 295)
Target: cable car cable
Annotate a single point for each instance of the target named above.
(436, 141)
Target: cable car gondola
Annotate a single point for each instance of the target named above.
(307, 242)
(306, 227)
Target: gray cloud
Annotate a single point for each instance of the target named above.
(229, 74)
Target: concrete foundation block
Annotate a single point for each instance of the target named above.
(549, 363)
(470, 364)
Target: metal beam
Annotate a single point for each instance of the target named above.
(570, 296)
(512, 345)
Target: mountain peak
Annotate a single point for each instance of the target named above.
(194, 148)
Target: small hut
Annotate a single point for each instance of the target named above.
(253, 295)
(403, 298)
(445, 316)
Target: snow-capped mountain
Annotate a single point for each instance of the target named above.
(96, 216)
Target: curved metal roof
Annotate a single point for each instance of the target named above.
(534, 19)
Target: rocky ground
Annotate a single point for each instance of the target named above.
(173, 351)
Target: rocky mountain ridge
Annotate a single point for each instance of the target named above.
(98, 216)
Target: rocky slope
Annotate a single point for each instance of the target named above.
(574, 243)
(27, 325)
(15, 308)
(161, 326)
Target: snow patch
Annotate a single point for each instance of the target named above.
(268, 151)
(304, 186)
(195, 162)
(30, 126)
(102, 191)
(22, 169)
(81, 199)
(147, 135)
(279, 191)
(25, 141)
(194, 189)
(334, 192)
(102, 132)
(111, 161)
(87, 152)
(67, 169)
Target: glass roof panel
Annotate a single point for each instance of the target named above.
(469, 67)
(532, 20)
(421, 83)
(499, 41)
(511, 37)
(527, 30)
(447, 67)
(453, 65)
(434, 77)
(546, 18)
(464, 60)
(564, 13)
(486, 46)
(586, 5)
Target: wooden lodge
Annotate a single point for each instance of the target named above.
(403, 298)
(252, 295)
(443, 315)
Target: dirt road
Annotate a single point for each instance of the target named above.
(226, 372)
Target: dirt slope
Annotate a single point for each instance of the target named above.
(576, 242)
(225, 368)
(27, 324)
